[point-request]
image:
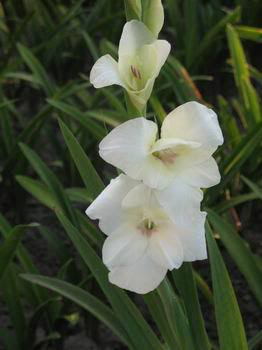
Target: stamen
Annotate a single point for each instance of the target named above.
(166, 156)
(135, 71)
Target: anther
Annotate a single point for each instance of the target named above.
(136, 73)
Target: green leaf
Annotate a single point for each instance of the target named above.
(36, 318)
(96, 130)
(233, 202)
(186, 285)
(90, 230)
(157, 107)
(235, 161)
(255, 341)
(140, 334)
(240, 252)
(250, 33)
(50, 180)
(38, 190)
(248, 94)
(181, 82)
(27, 135)
(256, 189)
(191, 33)
(156, 308)
(176, 317)
(211, 35)
(91, 179)
(90, 45)
(82, 298)
(203, 287)
(8, 339)
(79, 194)
(38, 294)
(13, 302)
(9, 247)
(37, 68)
(231, 331)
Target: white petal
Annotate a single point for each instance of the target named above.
(181, 202)
(168, 143)
(128, 147)
(124, 246)
(163, 49)
(105, 72)
(193, 239)
(165, 248)
(107, 206)
(135, 34)
(141, 277)
(194, 122)
(138, 196)
(139, 98)
(204, 174)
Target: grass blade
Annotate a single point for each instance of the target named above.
(82, 298)
(91, 179)
(176, 317)
(140, 334)
(38, 190)
(49, 179)
(242, 78)
(185, 282)
(250, 33)
(231, 331)
(96, 130)
(9, 247)
(36, 67)
(239, 251)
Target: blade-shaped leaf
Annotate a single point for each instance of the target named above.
(82, 298)
(249, 97)
(91, 179)
(185, 282)
(38, 190)
(49, 178)
(231, 331)
(94, 128)
(176, 317)
(37, 68)
(139, 332)
(239, 251)
(9, 247)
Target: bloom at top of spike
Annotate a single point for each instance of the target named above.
(140, 58)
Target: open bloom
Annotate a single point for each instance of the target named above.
(190, 134)
(144, 241)
(140, 58)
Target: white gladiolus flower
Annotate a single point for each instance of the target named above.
(144, 241)
(190, 134)
(140, 58)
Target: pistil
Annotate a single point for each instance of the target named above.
(148, 227)
(166, 156)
